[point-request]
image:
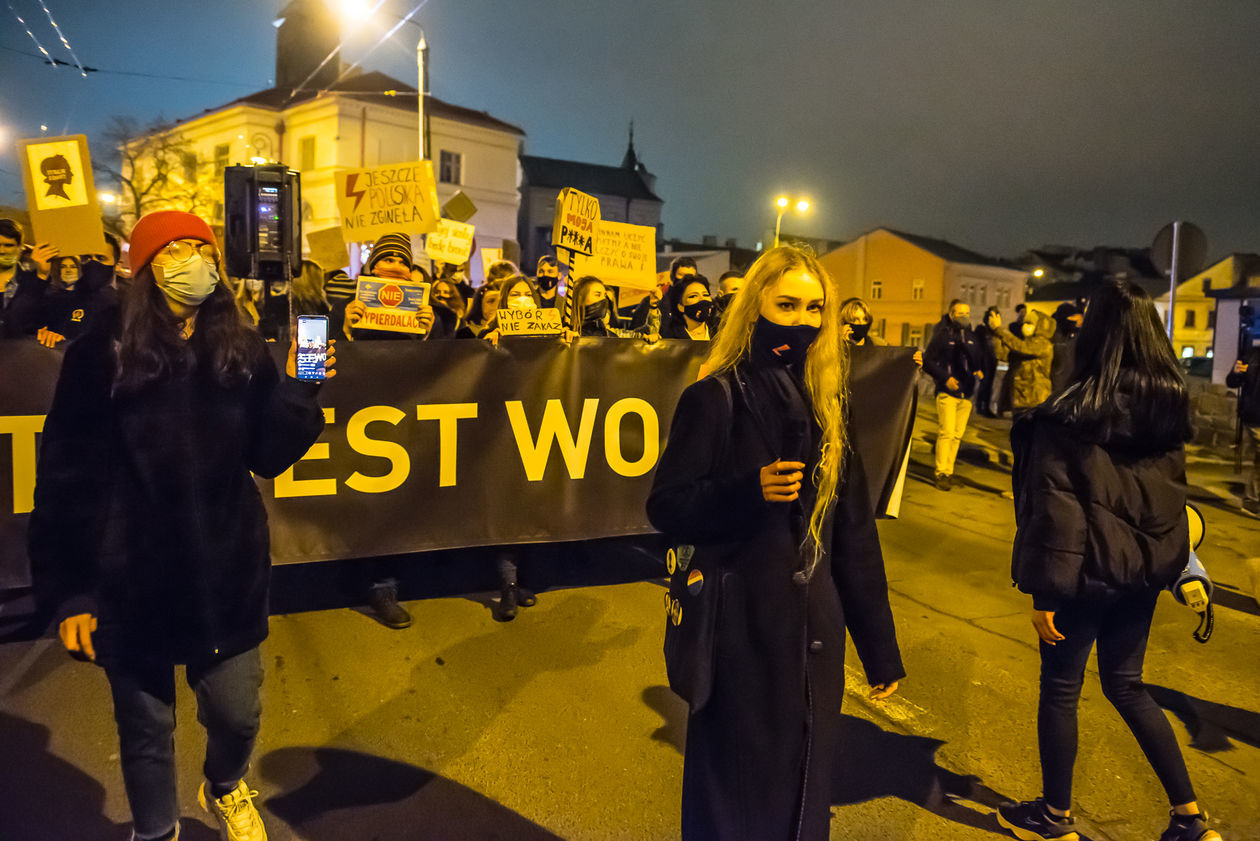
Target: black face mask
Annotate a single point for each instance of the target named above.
(784, 343)
(595, 311)
(547, 282)
(723, 301)
(859, 333)
(961, 323)
(94, 275)
(699, 311)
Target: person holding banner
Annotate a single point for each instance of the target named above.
(548, 282)
(759, 486)
(594, 310)
(485, 303)
(148, 540)
(692, 310)
(515, 292)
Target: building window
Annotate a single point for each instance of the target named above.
(218, 211)
(916, 289)
(1189, 318)
(451, 168)
(877, 290)
(1187, 351)
(221, 152)
(881, 326)
(189, 162)
(916, 337)
(306, 154)
(1212, 320)
(1003, 299)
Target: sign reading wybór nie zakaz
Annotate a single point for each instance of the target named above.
(530, 321)
(391, 304)
(393, 198)
(577, 217)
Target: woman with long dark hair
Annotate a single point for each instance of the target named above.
(1100, 510)
(758, 476)
(149, 539)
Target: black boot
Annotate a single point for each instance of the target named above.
(385, 606)
(525, 598)
(507, 604)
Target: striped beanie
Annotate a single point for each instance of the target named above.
(397, 245)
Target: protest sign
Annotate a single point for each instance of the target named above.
(577, 216)
(328, 248)
(531, 321)
(624, 255)
(570, 433)
(391, 304)
(386, 199)
(489, 256)
(451, 243)
(61, 195)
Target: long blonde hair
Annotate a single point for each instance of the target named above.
(826, 368)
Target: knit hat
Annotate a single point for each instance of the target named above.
(156, 230)
(397, 245)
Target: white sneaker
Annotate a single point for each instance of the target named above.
(235, 812)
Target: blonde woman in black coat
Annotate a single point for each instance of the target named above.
(1100, 511)
(784, 505)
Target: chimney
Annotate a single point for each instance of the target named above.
(730, 243)
(710, 240)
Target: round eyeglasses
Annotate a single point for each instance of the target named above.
(179, 251)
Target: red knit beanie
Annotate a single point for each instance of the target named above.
(156, 230)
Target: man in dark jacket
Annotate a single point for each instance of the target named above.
(954, 360)
(1246, 376)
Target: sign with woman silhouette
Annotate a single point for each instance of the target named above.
(61, 196)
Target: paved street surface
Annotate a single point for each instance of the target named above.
(559, 725)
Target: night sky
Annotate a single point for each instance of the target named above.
(998, 124)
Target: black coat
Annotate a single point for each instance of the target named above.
(1249, 399)
(1094, 518)
(759, 754)
(953, 352)
(146, 514)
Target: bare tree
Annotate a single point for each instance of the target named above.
(155, 168)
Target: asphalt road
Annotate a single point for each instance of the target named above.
(558, 725)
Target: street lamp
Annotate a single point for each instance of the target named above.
(358, 12)
(782, 202)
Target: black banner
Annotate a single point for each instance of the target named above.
(438, 445)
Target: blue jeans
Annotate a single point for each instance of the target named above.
(228, 706)
(1120, 625)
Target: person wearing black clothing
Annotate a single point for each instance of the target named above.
(656, 308)
(782, 507)
(148, 541)
(1245, 375)
(58, 300)
(1068, 318)
(595, 312)
(1100, 510)
(988, 365)
(693, 307)
(954, 360)
(390, 258)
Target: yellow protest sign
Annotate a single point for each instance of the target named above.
(61, 195)
(451, 243)
(530, 321)
(391, 304)
(625, 255)
(577, 216)
(389, 198)
(328, 248)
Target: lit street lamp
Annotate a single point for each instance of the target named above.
(357, 12)
(782, 202)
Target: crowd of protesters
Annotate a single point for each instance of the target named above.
(151, 567)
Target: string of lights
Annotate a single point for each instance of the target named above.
(25, 26)
(64, 42)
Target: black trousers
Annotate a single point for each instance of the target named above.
(1120, 625)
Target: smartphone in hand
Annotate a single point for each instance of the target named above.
(312, 346)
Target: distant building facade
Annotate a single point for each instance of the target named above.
(909, 280)
(626, 193)
(324, 125)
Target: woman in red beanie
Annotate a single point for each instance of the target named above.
(149, 539)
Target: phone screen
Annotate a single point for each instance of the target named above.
(312, 346)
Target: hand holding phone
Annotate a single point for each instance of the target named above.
(312, 357)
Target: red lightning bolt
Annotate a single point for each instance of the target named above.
(350, 191)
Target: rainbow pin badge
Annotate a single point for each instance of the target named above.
(695, 582)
